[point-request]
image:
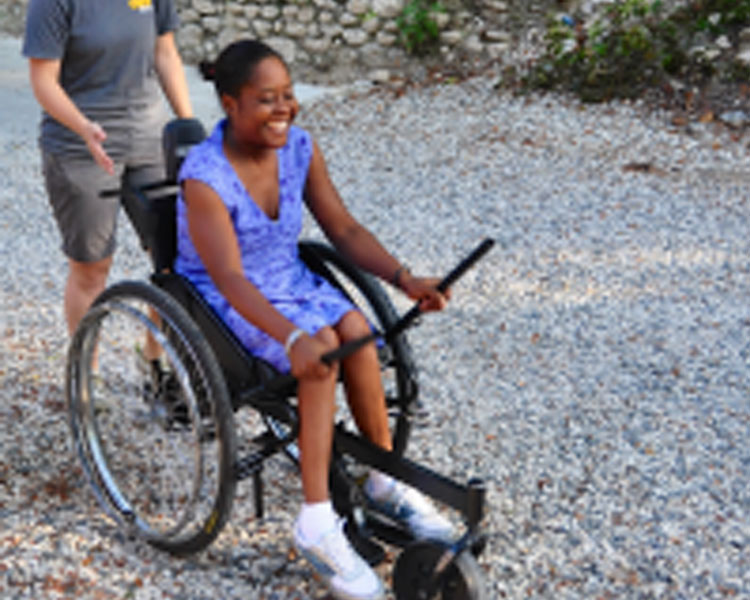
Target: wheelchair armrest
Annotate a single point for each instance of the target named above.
(152, 212)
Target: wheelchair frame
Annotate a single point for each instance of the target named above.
(235, 380)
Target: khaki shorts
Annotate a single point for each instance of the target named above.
(86, 220)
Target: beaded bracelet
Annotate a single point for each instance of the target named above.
(395, 280)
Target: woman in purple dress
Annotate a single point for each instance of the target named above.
(239, 218)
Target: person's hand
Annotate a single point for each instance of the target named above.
(424, 289)
(94, 137)
(304, 357)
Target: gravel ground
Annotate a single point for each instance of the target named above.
(593, 368)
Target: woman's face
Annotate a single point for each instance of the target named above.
(265, 108)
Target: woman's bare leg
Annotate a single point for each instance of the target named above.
(86, 280)
(316, 409)
(367, 401)
(362, 379)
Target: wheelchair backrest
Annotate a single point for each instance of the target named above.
(178, 137)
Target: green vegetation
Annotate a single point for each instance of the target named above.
(634, 45)
(418, 29)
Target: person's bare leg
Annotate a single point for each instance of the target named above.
(152, 348)
(316, 409)
(364, 387)
(367, 401)
(85, 282)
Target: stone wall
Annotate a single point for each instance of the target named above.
(335, 40)
(332, 41)
(338, 39)
(12, 13)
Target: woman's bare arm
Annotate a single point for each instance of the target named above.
(171, 74)
(356, 242)
(44, 75)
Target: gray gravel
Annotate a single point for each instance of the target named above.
(593, 368)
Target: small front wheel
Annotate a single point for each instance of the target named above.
(414, 576)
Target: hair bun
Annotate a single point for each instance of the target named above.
(207, 69)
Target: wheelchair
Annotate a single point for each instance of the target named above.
(164, 443)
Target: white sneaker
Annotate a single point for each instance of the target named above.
(345, 572)
(407, 505)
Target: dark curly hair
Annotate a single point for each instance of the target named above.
(235, 65)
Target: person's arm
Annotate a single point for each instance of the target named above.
(214, 238)
(171, 74)
(44, 75)
(356, 242)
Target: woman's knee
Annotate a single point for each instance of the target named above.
(328, 337)
(352, 326)
(89, 275)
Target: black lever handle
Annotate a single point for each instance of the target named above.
(447, 281)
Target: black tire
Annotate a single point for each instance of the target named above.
(413, 572)
(157, 444)
(397, 365)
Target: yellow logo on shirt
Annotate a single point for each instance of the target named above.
(140, 5)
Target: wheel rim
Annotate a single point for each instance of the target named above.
(103, 461)
(158, 476)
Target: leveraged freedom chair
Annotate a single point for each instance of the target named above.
(164, 442)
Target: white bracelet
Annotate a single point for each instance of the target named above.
(291, 339)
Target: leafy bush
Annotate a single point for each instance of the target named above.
(729, 13)
(418, 29)
(631, 46)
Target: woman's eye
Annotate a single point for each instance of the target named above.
(272, 99)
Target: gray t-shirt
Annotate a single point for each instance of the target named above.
(106, 49)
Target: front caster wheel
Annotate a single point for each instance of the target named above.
(414, 574)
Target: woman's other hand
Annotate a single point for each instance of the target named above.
(94, 136)
(424, 290)
(44, 75)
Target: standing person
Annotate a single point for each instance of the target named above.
(95, 68)
(239, 215)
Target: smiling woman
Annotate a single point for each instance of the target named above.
(261, 117)
(239, 216)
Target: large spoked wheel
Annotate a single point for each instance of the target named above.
(414, 569)
(397, 365)
(156, 439)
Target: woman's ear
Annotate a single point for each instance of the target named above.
(229, 104)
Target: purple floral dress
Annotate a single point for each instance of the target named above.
(268, 247)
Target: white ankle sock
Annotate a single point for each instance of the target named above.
(315, 519)
(378, 484)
